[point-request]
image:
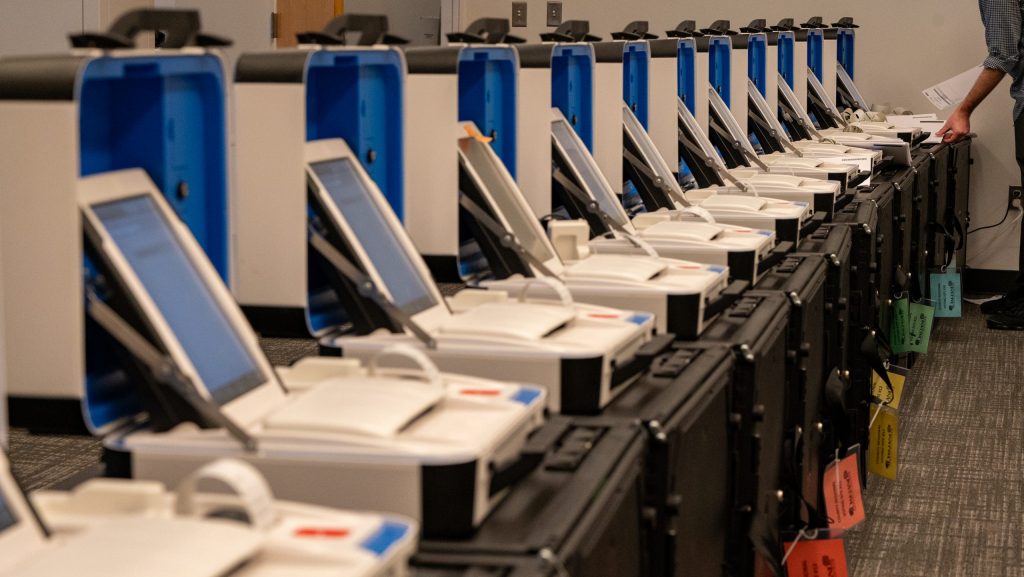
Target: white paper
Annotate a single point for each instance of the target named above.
(951, 92)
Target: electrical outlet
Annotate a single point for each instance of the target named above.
(554, 13)
(1016, 193)
(519, 14)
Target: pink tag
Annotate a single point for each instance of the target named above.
(841, 486)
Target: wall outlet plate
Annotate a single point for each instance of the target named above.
(554, 13)
(519, 14)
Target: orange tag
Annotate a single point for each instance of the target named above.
(843, 502)
(825, 558)
(473, 132)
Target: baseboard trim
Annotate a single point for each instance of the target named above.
(980, 280)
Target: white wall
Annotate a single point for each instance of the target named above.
(903, 47)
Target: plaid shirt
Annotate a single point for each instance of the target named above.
(1003, 21)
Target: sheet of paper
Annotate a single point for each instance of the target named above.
(951, 92)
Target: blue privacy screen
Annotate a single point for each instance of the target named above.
(168, 275)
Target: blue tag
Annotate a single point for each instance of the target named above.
(947, 293)
(639, 319)
(525, 396)
(718, 269)
(766, 232)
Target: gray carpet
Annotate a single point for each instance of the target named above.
(956, 508)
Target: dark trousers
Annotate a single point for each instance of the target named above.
(1018, 140)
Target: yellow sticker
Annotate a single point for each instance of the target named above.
(474, 133)
(881, 391)
(883, 442)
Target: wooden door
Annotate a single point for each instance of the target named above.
(295, 16)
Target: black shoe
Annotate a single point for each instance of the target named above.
(997, 306)
(1006, 322)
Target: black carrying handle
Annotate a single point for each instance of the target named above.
(814, 223)
(372, 29)
(571, 31)
(530, 457)
(756, 26)
(785, 25)
(814, 22)
(486, 31)
(845, 22)
(181, 28)
(730, 295)
(720, 28)
(778, 253)
(635, 30)
(685, 29)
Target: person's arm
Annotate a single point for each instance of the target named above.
(1002, 19)
(958, 125)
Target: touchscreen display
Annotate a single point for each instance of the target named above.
(157, 257)
(366, 219)
(586, 168)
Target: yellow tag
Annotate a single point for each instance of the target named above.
(883, 442)
(473, 132)
(881, 391)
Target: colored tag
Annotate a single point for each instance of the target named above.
(947, 292)
(920, 334)
(883, 442)
(841, 486)
(898, 377)
(472, 131)
(825, 558)
(899, 330)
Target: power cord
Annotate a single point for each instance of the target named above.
(1016, 206)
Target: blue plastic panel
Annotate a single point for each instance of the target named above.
(686, 63)
(847, 49)
(757, 63)
(488, 88)
(636, 64)
(572, 87)
(357, 95)
(786, 47)
(165, 114)
(815, 52)
(720, 60)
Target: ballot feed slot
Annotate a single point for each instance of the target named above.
(847, 50)
(488, 88)
(165, 115)
(815, 52)
(786, 49)
(757, 57)
(635, 77)
(572, 88)
(686, 61)
(357, 96)
(720, 58)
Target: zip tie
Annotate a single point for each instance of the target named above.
(549, 557)
(810, 536)
(875, 416)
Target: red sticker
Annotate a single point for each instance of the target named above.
(604, 316)
(321, 533)
(826, 558)
(843, 502)
(480, 392)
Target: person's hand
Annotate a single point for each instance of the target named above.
(957, 126)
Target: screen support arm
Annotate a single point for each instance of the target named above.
(828, 110)
(163, 368)
(366, 287)
(736, 144)
(775, 134)
(506, 237)
(723, 172)
(789, 112)
(658, 181)
(595, 209)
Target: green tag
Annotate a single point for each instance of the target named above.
(947, 293)
(899, 331)
(921, 316)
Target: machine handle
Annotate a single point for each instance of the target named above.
(373, 29)
(778, 253)
(814, 223)
(571, 31)
(636, 30)
(486, 31)
(532, 455)
(181, 28)
(428, 370)
(730, 295)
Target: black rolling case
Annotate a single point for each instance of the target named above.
(886, 239)
(802, 279)
(834, 244)
(959, 216)
(754, 328)
(494, 568)
(579, 511)
(938, 188)
(920, 238)
(683, 404)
